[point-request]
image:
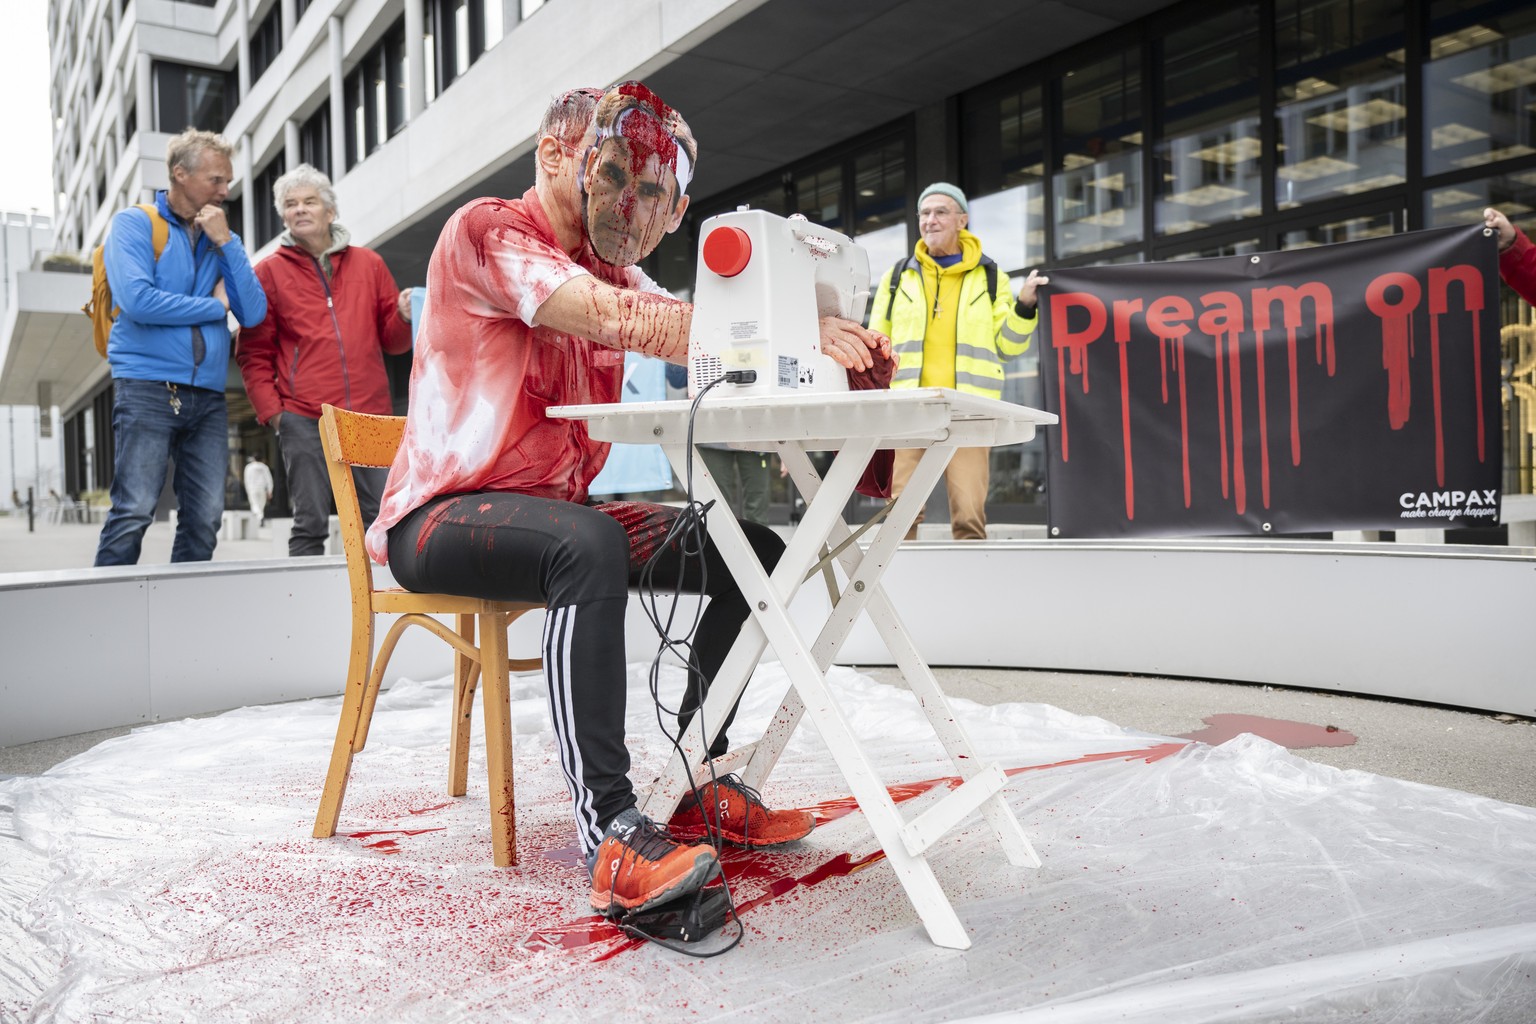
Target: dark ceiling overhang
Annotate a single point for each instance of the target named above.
(794, 77)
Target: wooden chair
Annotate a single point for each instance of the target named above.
(357, 439)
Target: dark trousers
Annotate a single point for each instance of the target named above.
(581, 561)
(309, 485)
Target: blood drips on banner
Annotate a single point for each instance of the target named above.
(1277, 393)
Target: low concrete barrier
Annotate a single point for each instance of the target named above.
(1446, 624)
(94, 648)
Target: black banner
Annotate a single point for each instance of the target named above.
(1351, 386)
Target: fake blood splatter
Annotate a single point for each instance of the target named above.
(388, 845)
(1292, 735)
(645, 524)
(764, 874)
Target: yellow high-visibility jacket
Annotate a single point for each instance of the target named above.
(987, 332)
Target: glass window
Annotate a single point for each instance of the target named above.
(1341, 118)
(374, 96)
(357, 118)
(1208, 158)
(819, 196)
(1479, 86)
(1345, 229)
(458, 32)
(266, 41)
(315, 139)
(773, 198)
(234, 214)
(461, 34)
(1243, 248)
(1513, 194)
(492, 19)
(1005, 158)
(267, 222)
(880, 211)
(1097, 184)
(429, 56)
(190, 97)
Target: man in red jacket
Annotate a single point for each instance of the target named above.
(333, 310)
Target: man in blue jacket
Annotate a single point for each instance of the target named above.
(169, 352)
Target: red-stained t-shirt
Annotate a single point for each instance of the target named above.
(484, 372)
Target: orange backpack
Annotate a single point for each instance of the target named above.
(102, 311)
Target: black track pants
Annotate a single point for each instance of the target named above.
(580, 560)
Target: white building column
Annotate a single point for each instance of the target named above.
(338, 103)
(243, 47)
(291, 156)
(123, 82)
(247, 193)
(144, 93)
(415, 58)
(288, 15)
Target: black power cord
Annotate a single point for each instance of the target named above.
(691, 917)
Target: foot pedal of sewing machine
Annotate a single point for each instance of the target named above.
(688, 918)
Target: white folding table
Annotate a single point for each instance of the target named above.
(856, 425)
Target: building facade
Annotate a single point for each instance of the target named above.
(1092, 133)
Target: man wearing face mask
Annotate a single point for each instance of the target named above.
(531, 303)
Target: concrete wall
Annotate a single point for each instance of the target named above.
(1442, 624)
(94, 648)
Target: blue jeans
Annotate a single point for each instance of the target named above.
(147, 432)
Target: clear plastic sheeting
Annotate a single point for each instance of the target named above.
(169, 875)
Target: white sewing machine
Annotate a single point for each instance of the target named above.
(764, 283)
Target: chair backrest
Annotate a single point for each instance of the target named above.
(356, 439)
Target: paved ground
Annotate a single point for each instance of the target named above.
(1474, 752)
(73, 545)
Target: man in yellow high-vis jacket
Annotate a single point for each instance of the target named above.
(953, 320)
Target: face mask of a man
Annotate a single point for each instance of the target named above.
(634, 177)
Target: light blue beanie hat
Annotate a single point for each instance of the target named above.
(944, 188)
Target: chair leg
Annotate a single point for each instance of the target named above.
(465, 674)
(496, 699)
(371, 687)
(346, 730)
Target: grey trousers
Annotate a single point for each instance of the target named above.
(743, 477)
(309, 485)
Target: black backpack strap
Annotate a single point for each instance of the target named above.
(990, 266)
(896, 272)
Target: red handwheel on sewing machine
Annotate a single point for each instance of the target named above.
(727, 250)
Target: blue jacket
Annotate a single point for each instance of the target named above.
(161, 301)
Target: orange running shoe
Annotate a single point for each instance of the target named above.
(738, 813)
(640, 865)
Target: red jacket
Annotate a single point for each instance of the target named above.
(302, 356)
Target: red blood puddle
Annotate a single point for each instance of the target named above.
(1291, 735)
(766, 875)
